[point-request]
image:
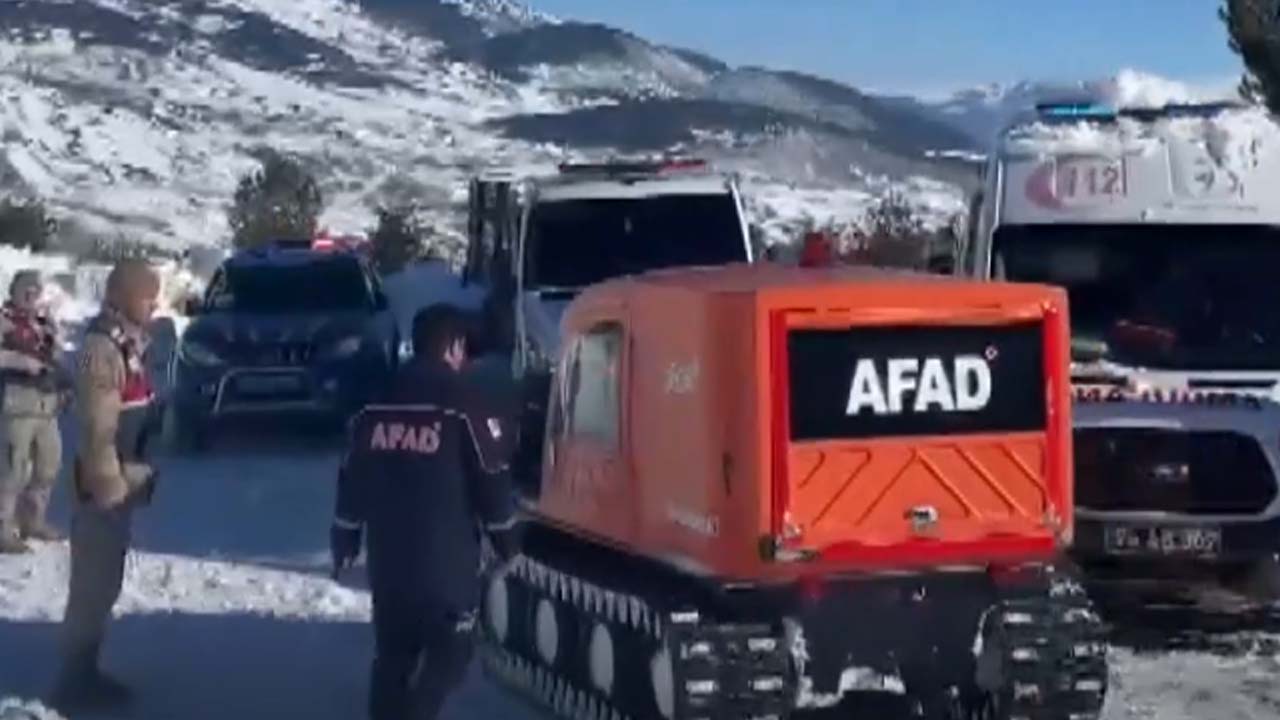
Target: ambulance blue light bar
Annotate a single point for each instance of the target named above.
(1076, 110)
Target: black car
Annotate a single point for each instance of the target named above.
(285, 330)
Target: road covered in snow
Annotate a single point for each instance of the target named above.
(228, 610)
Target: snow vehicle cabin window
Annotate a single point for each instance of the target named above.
(322, 286)
(575, 243)
(591, 394)
(1181, 297)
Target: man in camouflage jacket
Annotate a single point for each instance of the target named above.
(33, 390)
(112, 477)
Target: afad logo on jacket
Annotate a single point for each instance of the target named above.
(402, 437)
(915, 385)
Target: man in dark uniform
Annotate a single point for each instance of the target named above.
(425, 475)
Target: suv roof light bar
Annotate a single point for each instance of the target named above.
(637, 167)
(320, 243)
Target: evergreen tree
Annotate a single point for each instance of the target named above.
(896, 234)
(397, 240)
(278, 201)
(1253, 28)
(26, 224)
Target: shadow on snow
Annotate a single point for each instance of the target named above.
(217, 667)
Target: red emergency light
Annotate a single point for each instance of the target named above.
(323, 241)
(632, 167)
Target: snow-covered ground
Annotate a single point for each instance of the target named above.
(228, 610)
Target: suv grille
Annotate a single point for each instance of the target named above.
(1196, 473)
(278, 354)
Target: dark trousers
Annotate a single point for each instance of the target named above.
(421, 655)
(99, 544)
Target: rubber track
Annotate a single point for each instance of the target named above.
(727, 671)
(1055, 654)
(1055, 665)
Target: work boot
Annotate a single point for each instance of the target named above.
(82, 687)
(11, 544)
(43, 532)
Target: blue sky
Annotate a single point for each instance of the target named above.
(934, 46)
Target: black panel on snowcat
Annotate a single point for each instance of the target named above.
(873, 382)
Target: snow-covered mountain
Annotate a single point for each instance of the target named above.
(980, 112)
(137, 117)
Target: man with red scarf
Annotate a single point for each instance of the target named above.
(113, 477)
(34, 390)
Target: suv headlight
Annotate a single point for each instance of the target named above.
(346, 347)
(196, 353)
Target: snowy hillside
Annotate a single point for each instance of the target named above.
(980, 112)
(147, 131)
(136, 117)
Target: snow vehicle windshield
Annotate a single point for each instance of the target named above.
(1176, 297)
(575, 243)
(312, 287)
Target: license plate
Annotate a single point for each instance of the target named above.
(268, 384)
(1141, 540)
(1087, 181)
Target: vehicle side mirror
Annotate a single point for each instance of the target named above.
(1088, 350)
(192, 305)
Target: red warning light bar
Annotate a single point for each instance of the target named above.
(633, 167)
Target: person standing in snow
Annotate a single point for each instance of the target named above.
(34, 391)
(111, 479)
(426, 474)
(817, 250)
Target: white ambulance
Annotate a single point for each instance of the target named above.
(1164, 226)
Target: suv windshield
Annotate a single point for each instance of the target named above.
(320, 286)
(1180, 297)
(574, 243)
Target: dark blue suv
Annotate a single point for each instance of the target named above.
(287, 330)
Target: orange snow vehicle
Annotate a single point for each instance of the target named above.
(767, 488)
